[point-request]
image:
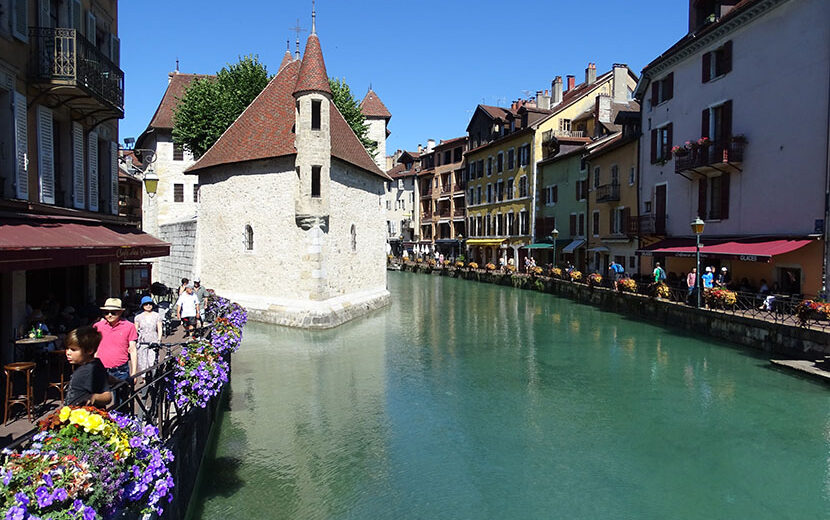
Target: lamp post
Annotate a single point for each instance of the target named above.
(460, 245)
(151, 182)
(697, 229)
(553, 235)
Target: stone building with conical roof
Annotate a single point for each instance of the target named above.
(377, 119)
(292, 219)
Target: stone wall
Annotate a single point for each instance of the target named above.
(774, 338)
(181, 262)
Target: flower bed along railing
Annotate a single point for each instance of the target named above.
(88, 463)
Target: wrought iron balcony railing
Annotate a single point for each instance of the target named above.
(728, 152)
(650, 224)
(62, 56)
(608, 193)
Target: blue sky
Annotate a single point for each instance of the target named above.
(430, 63)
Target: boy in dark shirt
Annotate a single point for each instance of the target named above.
(89, 384)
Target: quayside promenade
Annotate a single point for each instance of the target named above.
(782, 329)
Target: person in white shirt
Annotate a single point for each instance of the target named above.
(187, 309)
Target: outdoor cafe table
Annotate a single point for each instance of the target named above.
(24, 345)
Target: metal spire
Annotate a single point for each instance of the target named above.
(313, 19)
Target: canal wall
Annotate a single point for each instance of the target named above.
(774, 338)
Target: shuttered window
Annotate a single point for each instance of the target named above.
(92, 169)
(115, 49)
(20, 19)
(717, 63)
(76, 15)
(43, 11)
(45, 155)
(114, 177)
(90, 28)
(178, 193)
(21, 143)
(78, 181)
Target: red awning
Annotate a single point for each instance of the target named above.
(40, 242)
(748, 250)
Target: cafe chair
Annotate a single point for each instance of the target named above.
(21, 367)
(57, 374)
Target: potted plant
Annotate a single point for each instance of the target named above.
(490, 266)
(661, 290)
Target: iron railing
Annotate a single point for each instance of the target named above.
(729, 151)
(63, 55)
(651, 224)
(608, 193)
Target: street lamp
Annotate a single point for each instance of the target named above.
(460, 243)
(151, 182)
(697, 229)
(553, 235)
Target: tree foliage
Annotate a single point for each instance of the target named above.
(211, 104)
(347, 105)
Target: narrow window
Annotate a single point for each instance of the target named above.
(249, 238)
(178, 152)
(315, 115)
(195, 193)
(178, 193)
(315, 182)
(354, 238)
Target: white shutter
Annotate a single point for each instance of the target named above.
(114, 173)
(90, 28)
(92, 153)
(21, 144)
(20, 20)
(78, 181)
(76, 15)
(43, 10)
(115, 49)
(45, 155)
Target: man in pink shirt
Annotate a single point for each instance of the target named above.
(117, 350)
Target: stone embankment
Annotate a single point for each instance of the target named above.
(775, 338)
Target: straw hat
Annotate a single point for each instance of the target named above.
(112, 304)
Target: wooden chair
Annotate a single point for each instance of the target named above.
(57, 374)
(21, 367)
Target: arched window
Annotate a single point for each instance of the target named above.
(249, 238)
(354, 238)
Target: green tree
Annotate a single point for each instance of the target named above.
(347, 105)
(211, 104)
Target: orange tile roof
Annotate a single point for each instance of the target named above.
(313, 70)
(163, 118)
(372, 106)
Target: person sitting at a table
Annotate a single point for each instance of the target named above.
(117, 350)
(89, 383)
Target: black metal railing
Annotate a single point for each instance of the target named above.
(608, 193)
(63, 55)
(729, 151)
(651, 224)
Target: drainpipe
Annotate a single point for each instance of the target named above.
(826, 266)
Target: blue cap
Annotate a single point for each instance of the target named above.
(146, 299)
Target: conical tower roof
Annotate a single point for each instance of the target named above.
(372, 106)
(313, 76)
(286, 58)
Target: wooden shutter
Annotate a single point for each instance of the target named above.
(726, 60)
(726, 120)
(78, 181)
(114, 177)
(655, 93)
(668, 86)
(701, 198)
(610, 221)
(573, 225)
(45, 155)
(544, 195)
(724, 196)
(707, 67)
(43, 10)
(92, 155)
(115, 49)
(704, 123)
(654, 146)
(76, 15)
(90, 28)
(20, 20)
(625, 226)
(21, 146)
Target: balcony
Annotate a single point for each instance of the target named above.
(569, 133)
(425, 194)
(608, 193)
(649, 224)
(458, 212)
(718, 157)
(72, 72)
(426, 216)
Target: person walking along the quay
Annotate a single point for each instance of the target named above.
(148, 326)
(708, 278)
(117, 350)
(659, 273)
(187, 309)
(202, 296)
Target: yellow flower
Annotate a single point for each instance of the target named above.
(64, 415)
(78, 416)
(94, 423)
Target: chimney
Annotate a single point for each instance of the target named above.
(420, 148)
(591, 74)
(542, 99)
(430, 144)
(556, 89)
(619, 83)
(571, 79)
(602, 108)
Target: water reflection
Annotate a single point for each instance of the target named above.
(468, 400)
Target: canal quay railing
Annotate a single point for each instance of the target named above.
(176, 401)
(795, 326)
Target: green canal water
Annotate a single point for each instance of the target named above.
(472, 401)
